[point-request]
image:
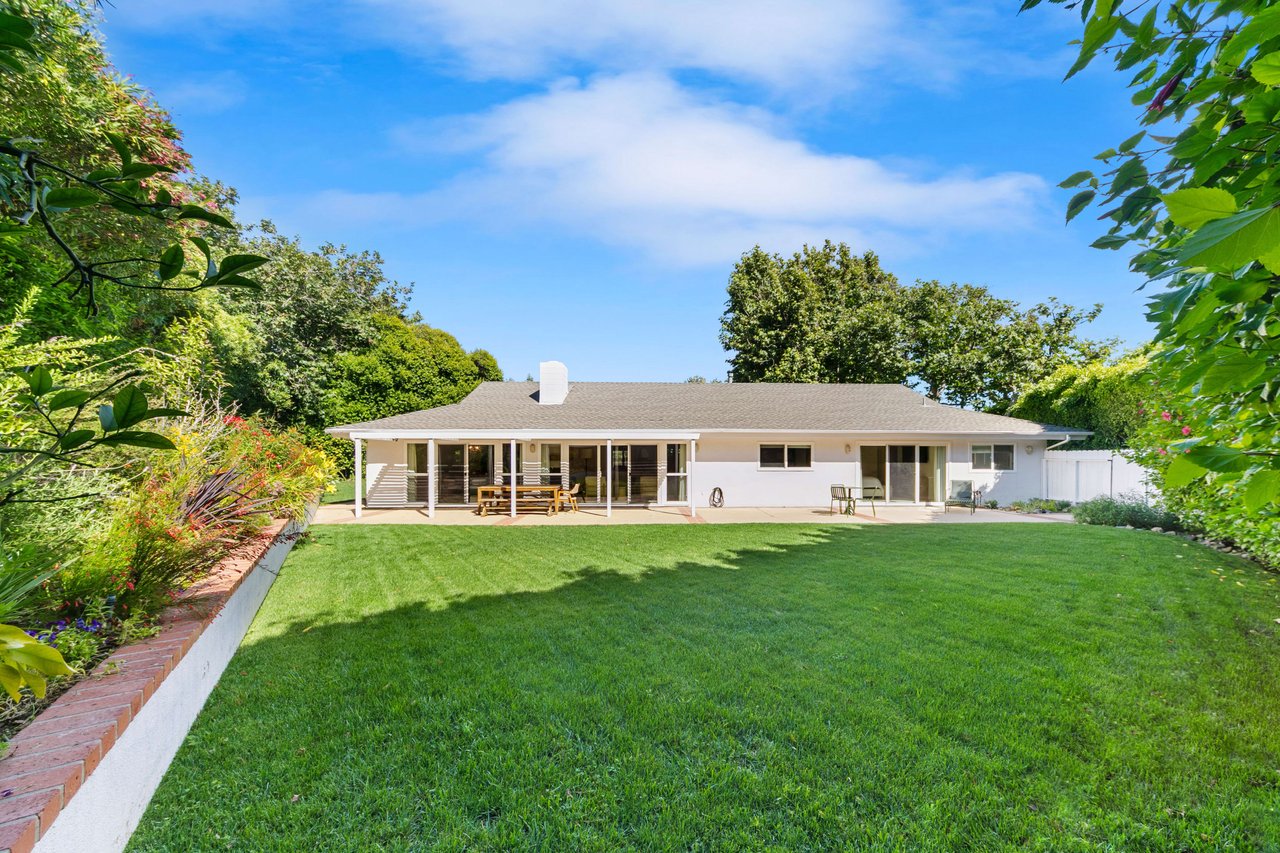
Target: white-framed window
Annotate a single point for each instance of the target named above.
(786, 456)
(991, 457)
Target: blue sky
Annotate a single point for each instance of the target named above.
(574, 180)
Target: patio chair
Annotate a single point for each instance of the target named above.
(872, 490)
(963, 494)
(839, 495)
(572, 496)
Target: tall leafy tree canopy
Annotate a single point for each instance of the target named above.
(1195, 197)
(828, 315)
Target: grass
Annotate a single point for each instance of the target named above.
(742, 687)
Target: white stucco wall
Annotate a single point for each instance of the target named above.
(379, 454)
(1023, 482)
(731, 462)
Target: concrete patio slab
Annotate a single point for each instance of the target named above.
(345, 514)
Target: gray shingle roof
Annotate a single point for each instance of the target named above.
(705, 408)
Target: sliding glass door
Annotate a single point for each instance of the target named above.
(642, 478)
(907, 473)
(902, 472)
(634, 473)
(933, 474)
(584, 472)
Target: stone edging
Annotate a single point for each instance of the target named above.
(52, 758)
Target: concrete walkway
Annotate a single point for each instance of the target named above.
(345, 514)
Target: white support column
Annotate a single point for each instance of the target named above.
(693, 457)
(431, 478)
(359, 475)
(608, 478)
(513, 478)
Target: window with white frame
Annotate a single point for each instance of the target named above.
(786, 456)
(991, 457)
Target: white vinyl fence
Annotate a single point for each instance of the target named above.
(1078, 475)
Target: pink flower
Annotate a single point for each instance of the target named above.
(1161, 451)
(1186, 430)
(1166, 416)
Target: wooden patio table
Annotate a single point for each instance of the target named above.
(495, 497)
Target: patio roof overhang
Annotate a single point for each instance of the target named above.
(513, 434)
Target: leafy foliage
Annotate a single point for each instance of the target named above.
(1105, 398)
(277, 344)
(408, 367)
(1195, 195)
(827, 315)
(1231, 510)
(27, 662)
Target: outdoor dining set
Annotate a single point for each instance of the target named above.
(550, 499)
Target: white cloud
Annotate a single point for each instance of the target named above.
(765, 41)
(636, 160)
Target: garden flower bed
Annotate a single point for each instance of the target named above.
(49, 762)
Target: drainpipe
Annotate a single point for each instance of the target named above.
(1058, 444)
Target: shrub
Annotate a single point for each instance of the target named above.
(1040, 505)
(1125, 510)
(285, 472)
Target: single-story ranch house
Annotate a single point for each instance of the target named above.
(665, 444)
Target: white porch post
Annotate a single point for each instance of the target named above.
(608, 478)
(513, 478)
(359, 475)
(693, 457)
(431, 478)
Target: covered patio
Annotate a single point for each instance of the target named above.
(483, 470)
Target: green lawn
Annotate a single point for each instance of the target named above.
(742, 687)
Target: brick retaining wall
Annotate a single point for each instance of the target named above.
(50, 760)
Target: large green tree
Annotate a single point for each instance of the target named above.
(828, 315)
(817, 316)
(1195, 196)
(409, 366)
(277, 344)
